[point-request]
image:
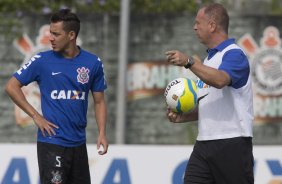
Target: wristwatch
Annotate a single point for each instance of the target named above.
(190, 62)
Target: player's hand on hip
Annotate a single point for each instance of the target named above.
(102, 145)
(176, 57)
(173, 116)
(44, 125)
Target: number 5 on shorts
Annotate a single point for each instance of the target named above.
(58, 161)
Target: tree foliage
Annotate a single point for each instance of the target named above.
(11, 11)
(99, 6)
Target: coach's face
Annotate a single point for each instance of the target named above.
(201, 27)
(59, 38)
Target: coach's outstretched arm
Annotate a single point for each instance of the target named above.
(211, 76)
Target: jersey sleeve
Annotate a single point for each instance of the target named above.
(236, 64)
(29, 72)
(99, 83)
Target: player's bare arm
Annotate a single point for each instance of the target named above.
(13, 89)
(210, 76)
(101, 118)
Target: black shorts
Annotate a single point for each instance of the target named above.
(225, 161)
(63, 165)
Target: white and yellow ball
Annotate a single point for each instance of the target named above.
(181, 95)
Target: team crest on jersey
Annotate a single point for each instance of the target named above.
(57, 177)
(82, 75)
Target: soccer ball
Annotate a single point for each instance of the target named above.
(181, 95)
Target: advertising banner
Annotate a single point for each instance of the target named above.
(131, 164)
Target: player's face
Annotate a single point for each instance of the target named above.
(59, 38)
(201, 27)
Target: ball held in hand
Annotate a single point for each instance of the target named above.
(181, 95)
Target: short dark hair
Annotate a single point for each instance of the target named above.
(219, 14)
(70, 20)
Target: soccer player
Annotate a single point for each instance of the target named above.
(65, 75)
(222, 153)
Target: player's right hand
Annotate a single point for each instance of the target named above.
(44, 125)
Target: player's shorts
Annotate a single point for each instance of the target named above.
(225, 161)
(63, 165)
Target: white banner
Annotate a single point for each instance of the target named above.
(131, 164)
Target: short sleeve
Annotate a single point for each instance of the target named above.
(99, 82)
(236, 64)
(29, 72)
